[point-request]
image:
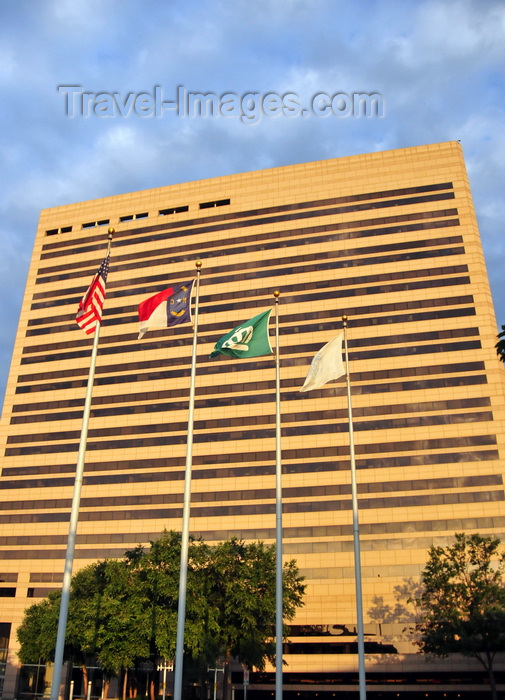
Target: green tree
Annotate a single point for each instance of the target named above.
(157, 581)
(242, 598)
(500, 345)
(87, 590)
(123, 634)
(125, 611)
(37, 632)
(462, 606)
(159, 570)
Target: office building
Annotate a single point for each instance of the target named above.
(390, 240)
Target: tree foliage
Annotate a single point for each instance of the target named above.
(462, 605)
(500, 345)
(122, 612)
(158, 571)
(243, 598)
(37, 632)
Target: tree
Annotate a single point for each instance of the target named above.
(157, 583)
(462, 606)
(85, 611)
(230, 599)
(242, 595)
(124, 612)
(123, 632)
(159, 570)
(37, 632)
(500, 345)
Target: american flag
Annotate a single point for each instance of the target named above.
(90, 308)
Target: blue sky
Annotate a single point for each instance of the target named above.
(438, 65)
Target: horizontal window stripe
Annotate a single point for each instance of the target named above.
(183, 361)
(222, 368)
(378, 375)
(397, 446)
(330, 415)
(164, 406)
(411, 284)
(168, 438)
(237, 510)
(291, 238)
(321, 491)
(165, 470)
(145, 284)
(263, 210)
(121, 240)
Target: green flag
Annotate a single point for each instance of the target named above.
(250, 339)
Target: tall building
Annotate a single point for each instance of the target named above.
(390, 240)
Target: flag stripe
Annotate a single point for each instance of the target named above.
(169, 307)
(147, 307)
(89, 313)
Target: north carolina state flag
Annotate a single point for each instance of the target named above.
(170, 307)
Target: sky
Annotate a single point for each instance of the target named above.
(435, 67)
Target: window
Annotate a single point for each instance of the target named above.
(7, 592)
(217, 203)
(173, 210)
(131, 217)
(54, 231)
(94, 224)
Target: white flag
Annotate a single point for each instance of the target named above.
(326, 365)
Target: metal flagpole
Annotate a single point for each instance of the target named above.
(74, 517)
(183, 573)
(355, 522)
(278, 514)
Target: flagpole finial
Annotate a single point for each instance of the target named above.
(112, 231)
(198, 264)
(344, 320)
(277, 294)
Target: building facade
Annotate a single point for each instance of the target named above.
(390, 240)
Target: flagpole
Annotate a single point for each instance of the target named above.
(278, 514)
(183, 573)
(355, 521)
(74, 516)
